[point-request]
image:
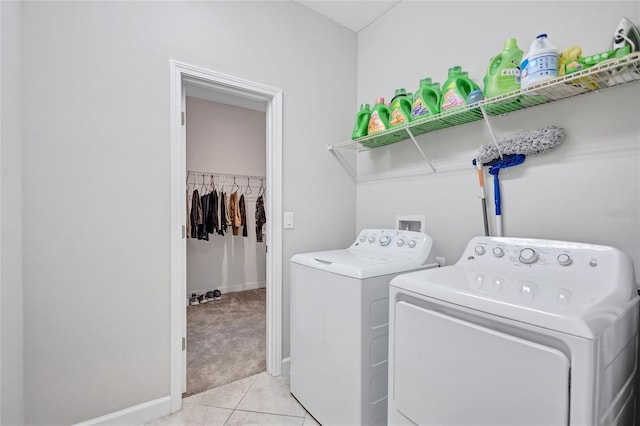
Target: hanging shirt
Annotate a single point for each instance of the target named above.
(216, 211)
(261, 218)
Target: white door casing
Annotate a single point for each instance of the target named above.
(182, 74)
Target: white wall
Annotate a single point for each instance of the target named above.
(11, 322)
(587, 190)
(97, 170)
(231, 140)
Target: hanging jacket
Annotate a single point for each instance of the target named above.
(202, 229)
(196, 213)
(216, 212)
(234, 213)
(261, 218)
(223, 215)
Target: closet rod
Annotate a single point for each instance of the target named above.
(205, 174)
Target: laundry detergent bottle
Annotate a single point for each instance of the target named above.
(379, 119)
(426, 101)
(361, 125)
(540, 63)
(400, 108)
(456, 90)
(503, 74)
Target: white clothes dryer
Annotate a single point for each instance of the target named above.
(339, 324)
(517, 332)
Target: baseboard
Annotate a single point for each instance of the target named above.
(136, 415)
(230, 288)
(286, 365)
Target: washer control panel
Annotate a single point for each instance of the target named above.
(392, 242)
(546, 274)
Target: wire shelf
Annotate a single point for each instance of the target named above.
(608, 74)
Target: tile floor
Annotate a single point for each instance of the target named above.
(257, 400)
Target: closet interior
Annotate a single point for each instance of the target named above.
(226, 247)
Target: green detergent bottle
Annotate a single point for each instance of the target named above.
(400, 108)
(379, 119)
(426, 100)
(362, 122)
(503, 76)
(456, 90)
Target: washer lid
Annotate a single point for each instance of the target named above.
(356, 264)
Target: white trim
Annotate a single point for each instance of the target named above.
(138, 414)
(181, 73)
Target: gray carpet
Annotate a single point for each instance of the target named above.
(226, 340)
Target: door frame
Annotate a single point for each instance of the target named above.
(182, 74)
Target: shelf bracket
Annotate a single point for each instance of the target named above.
(352, 172)
(420, 149)
(493, 136)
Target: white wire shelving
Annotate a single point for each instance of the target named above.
(606, 75)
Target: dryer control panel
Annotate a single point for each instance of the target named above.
(547, 274)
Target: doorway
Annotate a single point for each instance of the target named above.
(183, 76)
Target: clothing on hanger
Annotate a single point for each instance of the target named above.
(243, 216)
(261, 218)
(234, 213)
(223, 214)
(188, 230)
(202, 230)
(196, 214)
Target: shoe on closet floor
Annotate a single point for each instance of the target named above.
(202, 299)
(217, 294)
(209, 296)
(193, 300)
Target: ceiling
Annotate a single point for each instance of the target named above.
(352, 14)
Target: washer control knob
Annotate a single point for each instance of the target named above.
(498, 252)
(564, 259)
(528, 256)
(411, 243)
(479, 250)
(385, 240)
(363, 238)
(400, 242)
(372, 239)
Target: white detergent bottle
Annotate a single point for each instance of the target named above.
(540, 63)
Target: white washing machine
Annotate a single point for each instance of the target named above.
(339, 324)
(517, 332)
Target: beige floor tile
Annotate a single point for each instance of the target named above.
(225, 396)
(195, 415)
(270, 394)
(246, 418)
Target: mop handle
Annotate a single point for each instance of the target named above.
(496, 196)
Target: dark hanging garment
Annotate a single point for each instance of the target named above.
(188, 233)
(215, 211)
(243, 216)
(196, 213)
(223, 215)
(210, 216)
(202, 230)
(261, 218)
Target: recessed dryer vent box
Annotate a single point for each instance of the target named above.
(410, 223)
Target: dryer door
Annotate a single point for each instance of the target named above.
(453, 372)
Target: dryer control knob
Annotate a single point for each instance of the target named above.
(400, 242)
(564, 259)
(411, 243)
(479, 250)
(372, 239)
(385, 240)
(498, 252)
(528, 256)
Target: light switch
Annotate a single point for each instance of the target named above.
(288, 220)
